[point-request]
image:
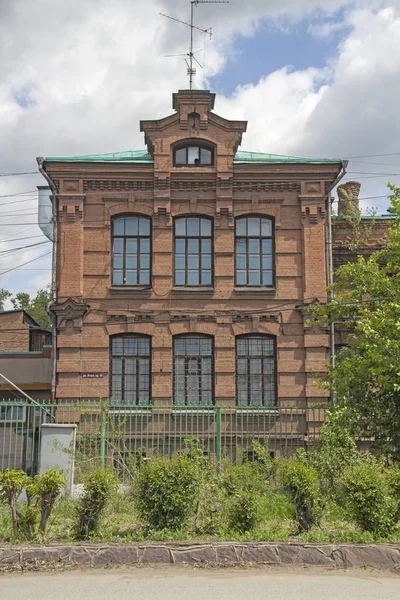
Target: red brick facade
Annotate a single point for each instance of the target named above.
(90, 309)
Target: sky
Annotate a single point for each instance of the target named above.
(314, 78)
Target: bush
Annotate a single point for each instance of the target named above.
(99, 486)
(243, 510)
(210, 510)
(248, 476)
(12, 482)
(368, 496)
(301, 480)
(336, 450)
(165, 491)
(46, 487)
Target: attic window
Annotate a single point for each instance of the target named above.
(192, 155)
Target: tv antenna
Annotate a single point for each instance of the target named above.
(191, 71)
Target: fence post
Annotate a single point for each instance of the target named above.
(103, 431)
(218, 447)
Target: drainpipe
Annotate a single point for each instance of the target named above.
(40, 162)
(329, 260)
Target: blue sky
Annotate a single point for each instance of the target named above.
(275, 46)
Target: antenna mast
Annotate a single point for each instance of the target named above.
(191, 71)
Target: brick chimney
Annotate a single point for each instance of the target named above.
(348, 197)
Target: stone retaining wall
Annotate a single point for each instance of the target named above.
(381, 556)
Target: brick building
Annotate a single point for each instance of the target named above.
(25, 356)
(182, 270)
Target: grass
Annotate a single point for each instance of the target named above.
(276, 523)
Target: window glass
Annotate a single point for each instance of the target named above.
(131, 251)
(254, 251)
(193, 251)
(193, 371)
(255, 370)
(180, 156)
(130, 370)
(193, 154)
(205, 156)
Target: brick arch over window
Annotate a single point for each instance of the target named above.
(193, 370)
(256, 370)
(254, 250)
(130, 369)
(131, 250)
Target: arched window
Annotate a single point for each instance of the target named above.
(193, 251)
(254, 251)
(130, 370)
(131, 261)
(193, 370)
(256, 370)
(193, 154)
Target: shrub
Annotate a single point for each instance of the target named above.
(301, 480)
(98, 489)
(46, 487)
(243, 510)
(336, 450)
(12, 482)
(247, 476)
(369, 498)
(165, 491)
(210, 509)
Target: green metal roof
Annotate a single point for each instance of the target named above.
(242, 156)
(136, 156)
(142, 156)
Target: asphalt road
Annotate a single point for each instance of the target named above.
(195, 584)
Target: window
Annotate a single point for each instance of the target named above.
(254, 251)
(193, 155)
(193, 251)
(130, 370)
(255, 370)
(193, 370)
(131, 250)
(13, 414)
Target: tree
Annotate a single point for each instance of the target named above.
(366, 376)
(35, 306)
(4, 295)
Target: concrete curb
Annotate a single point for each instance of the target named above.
(380, 556)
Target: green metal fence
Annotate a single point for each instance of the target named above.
(121, 436)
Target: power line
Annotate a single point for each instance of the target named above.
(21, 238)
(21, 173)
(26, 263)
(11, 250)
(18, 194)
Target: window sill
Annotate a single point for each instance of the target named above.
(129, 288)
(193, 288)
(255, 288)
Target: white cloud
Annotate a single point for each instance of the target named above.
(76, 76)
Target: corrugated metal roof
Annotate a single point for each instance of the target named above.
(241, 157)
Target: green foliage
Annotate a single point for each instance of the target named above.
(35, 306)
(369, 497)
(243, 509)
(12, 482)
(336, 450)
(99, 487)
(300, 479)
(46, 487)
(4, 295)
(367, 301)
(211, 516)
(42, 492)
(248, 476)
(165, 491)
